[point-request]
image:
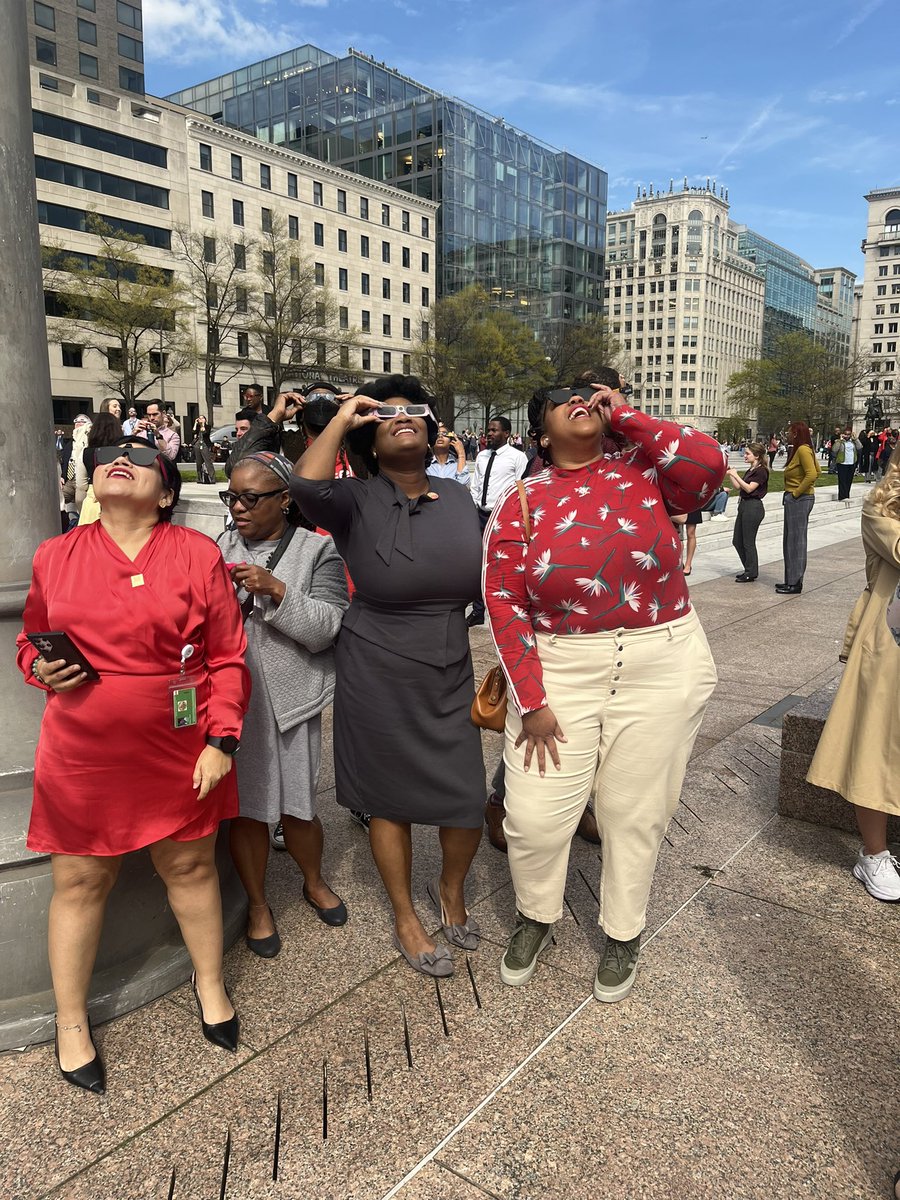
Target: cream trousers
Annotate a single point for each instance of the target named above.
(630, 703)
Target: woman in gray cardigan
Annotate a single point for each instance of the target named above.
(293, 591)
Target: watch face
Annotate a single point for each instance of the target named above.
(230, 744)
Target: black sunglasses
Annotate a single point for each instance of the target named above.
(247, 499)
(138, 456)
(564, 395)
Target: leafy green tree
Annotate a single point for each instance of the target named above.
(135, 314)
(480, 355)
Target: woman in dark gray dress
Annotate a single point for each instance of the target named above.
(405, 749)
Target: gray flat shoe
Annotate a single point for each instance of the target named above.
(437, 963)
(466, 937)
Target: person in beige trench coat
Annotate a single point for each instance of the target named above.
(859, 749)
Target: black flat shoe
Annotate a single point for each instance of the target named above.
(267, 947)
(789, 589)
(223, 1033)
(744, 578)
(91, 1077)
(331, 916)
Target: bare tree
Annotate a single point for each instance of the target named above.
(222, 287)
(293, 316)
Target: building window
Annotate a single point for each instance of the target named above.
(341, 201)
(404, 256)
(343, 279)
(363, 246)
(243, 345)
(344, 317)
(209, 249)
(240, 299)
(404, 221)
(407, 329)
(130, 47)
(386, 362)
(269, 304)
(131, 81)
(385, 214)
(205, 157)
(320, 314)
(319, 233)
(127, 14)
(320, 353)
(89, 5)
(385, 289)
(318, 199)
(366, 320)
(426, 297)
(367, 360)
(342, 240)
(386, 325)
(207, 205)
(237, 167)
(292, 185)
(265, 177)
(407, 364)
(266, 220)
(45, 16)
(344, 356)
(88, 65)
(240, 256)
(426, 261)
(293, 266)
(237, 212)
(320, 274)
(87, 32)
(426, 330)
(294, 228)
(386, 252)
(406, 293)
(364, 208)
(425, 227)
(72, 355)
(49, 84)
(364, 284)
(45, 52)
(212, 295)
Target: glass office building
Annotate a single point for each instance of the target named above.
(791, 289)
(519, 217)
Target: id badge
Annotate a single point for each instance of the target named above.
(183, 701)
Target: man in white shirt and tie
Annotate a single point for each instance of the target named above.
(496, 468)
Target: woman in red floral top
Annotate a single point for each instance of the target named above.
(608, 667)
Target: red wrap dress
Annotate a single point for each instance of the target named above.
(111, 773)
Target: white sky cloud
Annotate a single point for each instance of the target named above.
(178, 31)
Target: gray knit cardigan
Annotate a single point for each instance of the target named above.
(297, 635)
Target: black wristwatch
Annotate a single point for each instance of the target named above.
(228, 745)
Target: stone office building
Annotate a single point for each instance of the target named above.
(152, 168)
(877, 330)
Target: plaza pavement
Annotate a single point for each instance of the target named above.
(756, 1059)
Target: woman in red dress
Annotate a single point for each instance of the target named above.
(141, 757)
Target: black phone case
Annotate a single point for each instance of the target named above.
(60, 645)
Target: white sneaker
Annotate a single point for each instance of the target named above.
(879, 874)
(719, 517)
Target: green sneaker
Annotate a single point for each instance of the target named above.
(618, 967)
(521, 955)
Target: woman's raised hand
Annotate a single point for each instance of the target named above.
(356, 410)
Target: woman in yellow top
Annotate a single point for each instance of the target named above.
(800, 475)
(857, 752)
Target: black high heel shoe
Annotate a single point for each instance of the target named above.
(223, 1033)
(92, 1076)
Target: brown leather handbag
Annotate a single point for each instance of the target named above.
(489, 705)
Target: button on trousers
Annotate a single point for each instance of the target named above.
(630, 703)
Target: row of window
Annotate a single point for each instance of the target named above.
(89, 179)
(126, 14)
(130, 80)
(318, 192)
(61, 216)
(105, 140)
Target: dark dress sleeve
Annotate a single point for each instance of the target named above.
(331, 504)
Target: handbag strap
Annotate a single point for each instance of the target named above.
(526, 515)
(283, 543)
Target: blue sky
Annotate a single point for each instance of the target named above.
(794, 107)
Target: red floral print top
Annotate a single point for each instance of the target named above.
(604, 554)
